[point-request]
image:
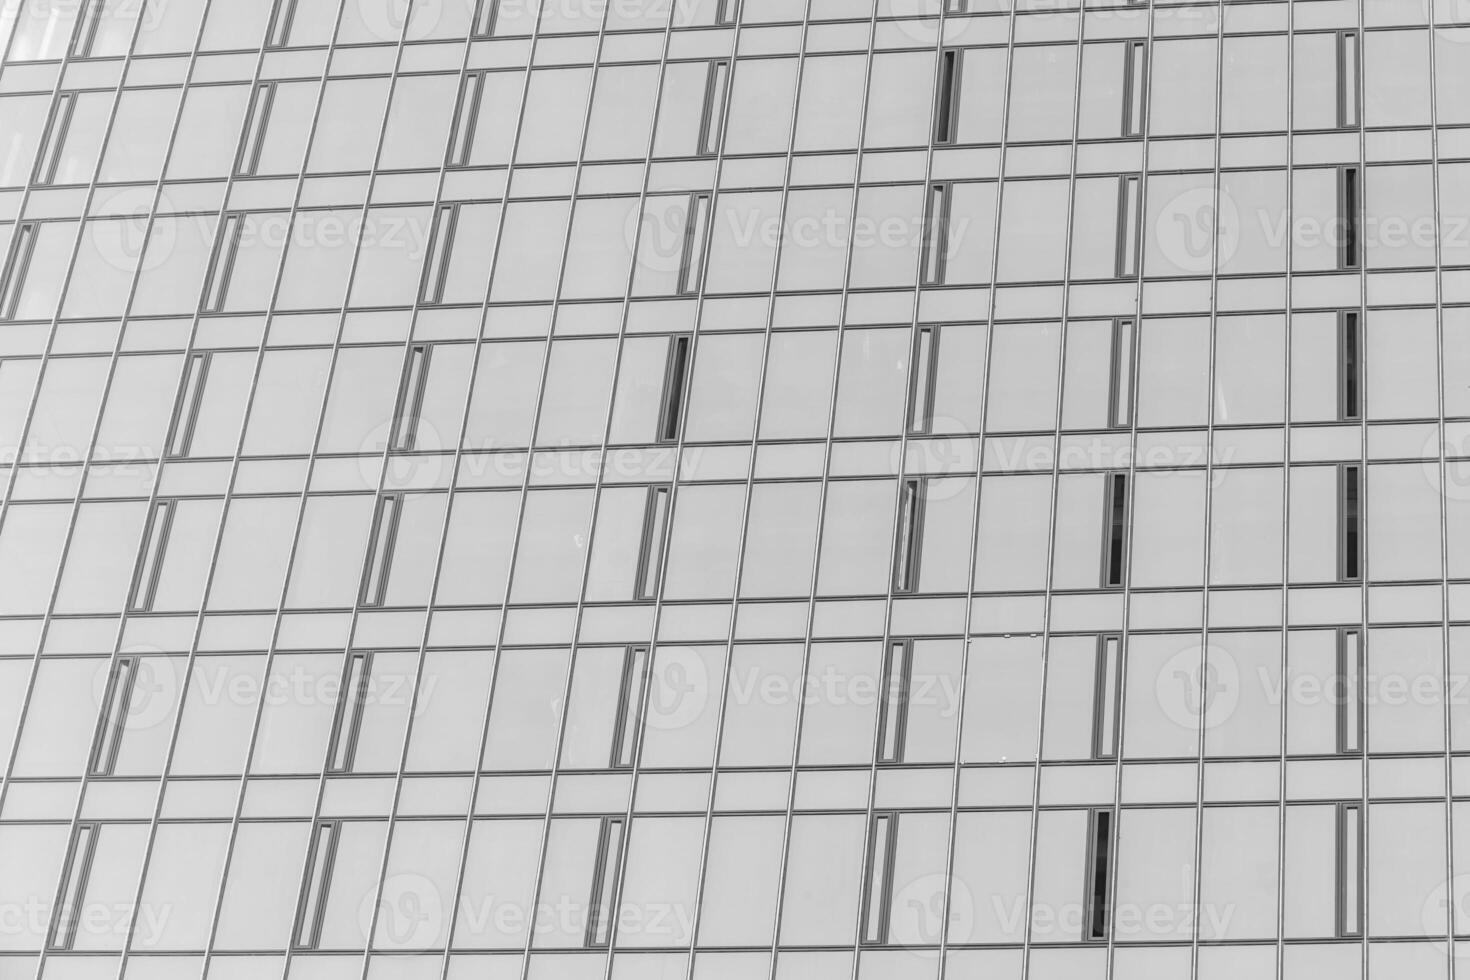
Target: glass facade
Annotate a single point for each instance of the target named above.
(734, 489)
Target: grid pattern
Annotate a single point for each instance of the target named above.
(734, 490)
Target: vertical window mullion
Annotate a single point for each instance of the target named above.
(485, 12)
(1349, 200)
(600, 914)
(347, 719)
(934, 257)
(1115, 523)
(908, 541)
(73, 886)
(1105, 715)
(712, 119)
(651, 545)
(436, 268)
(316, 883)
(222, 263)
(279, 33)
(186, 408)
(1349, 870)
(380, 550)
(878, 895)
(1129, 201)
(466, 113)
(676, 384)
(112, 721)
(1350, 509)
(1135, 87)
(946, 102)
(17, 264)
(726, 12)
(631, 695)
(893, 720)
(1349, 367)
(150, 559)
(86, 29)
(691, 264)
(1349, 691)
(256, 121)
(1120, 375)
(48, 160)
(1349, 115)
(410, 402)
(925, 362)
(1099, 875)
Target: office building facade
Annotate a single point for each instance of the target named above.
(734, 489)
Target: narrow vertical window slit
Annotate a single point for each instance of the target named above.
(380, 550)
(877, 897)
(186, 410)
(113, 719)
(893, 721)
(1099, 874)
(604, 883)
(630, 707)
(347, 721)
(150, 559)
(316, 883)
(17, 264)
(1115, 551)
(1105, 697)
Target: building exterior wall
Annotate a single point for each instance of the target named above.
(822, 489)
